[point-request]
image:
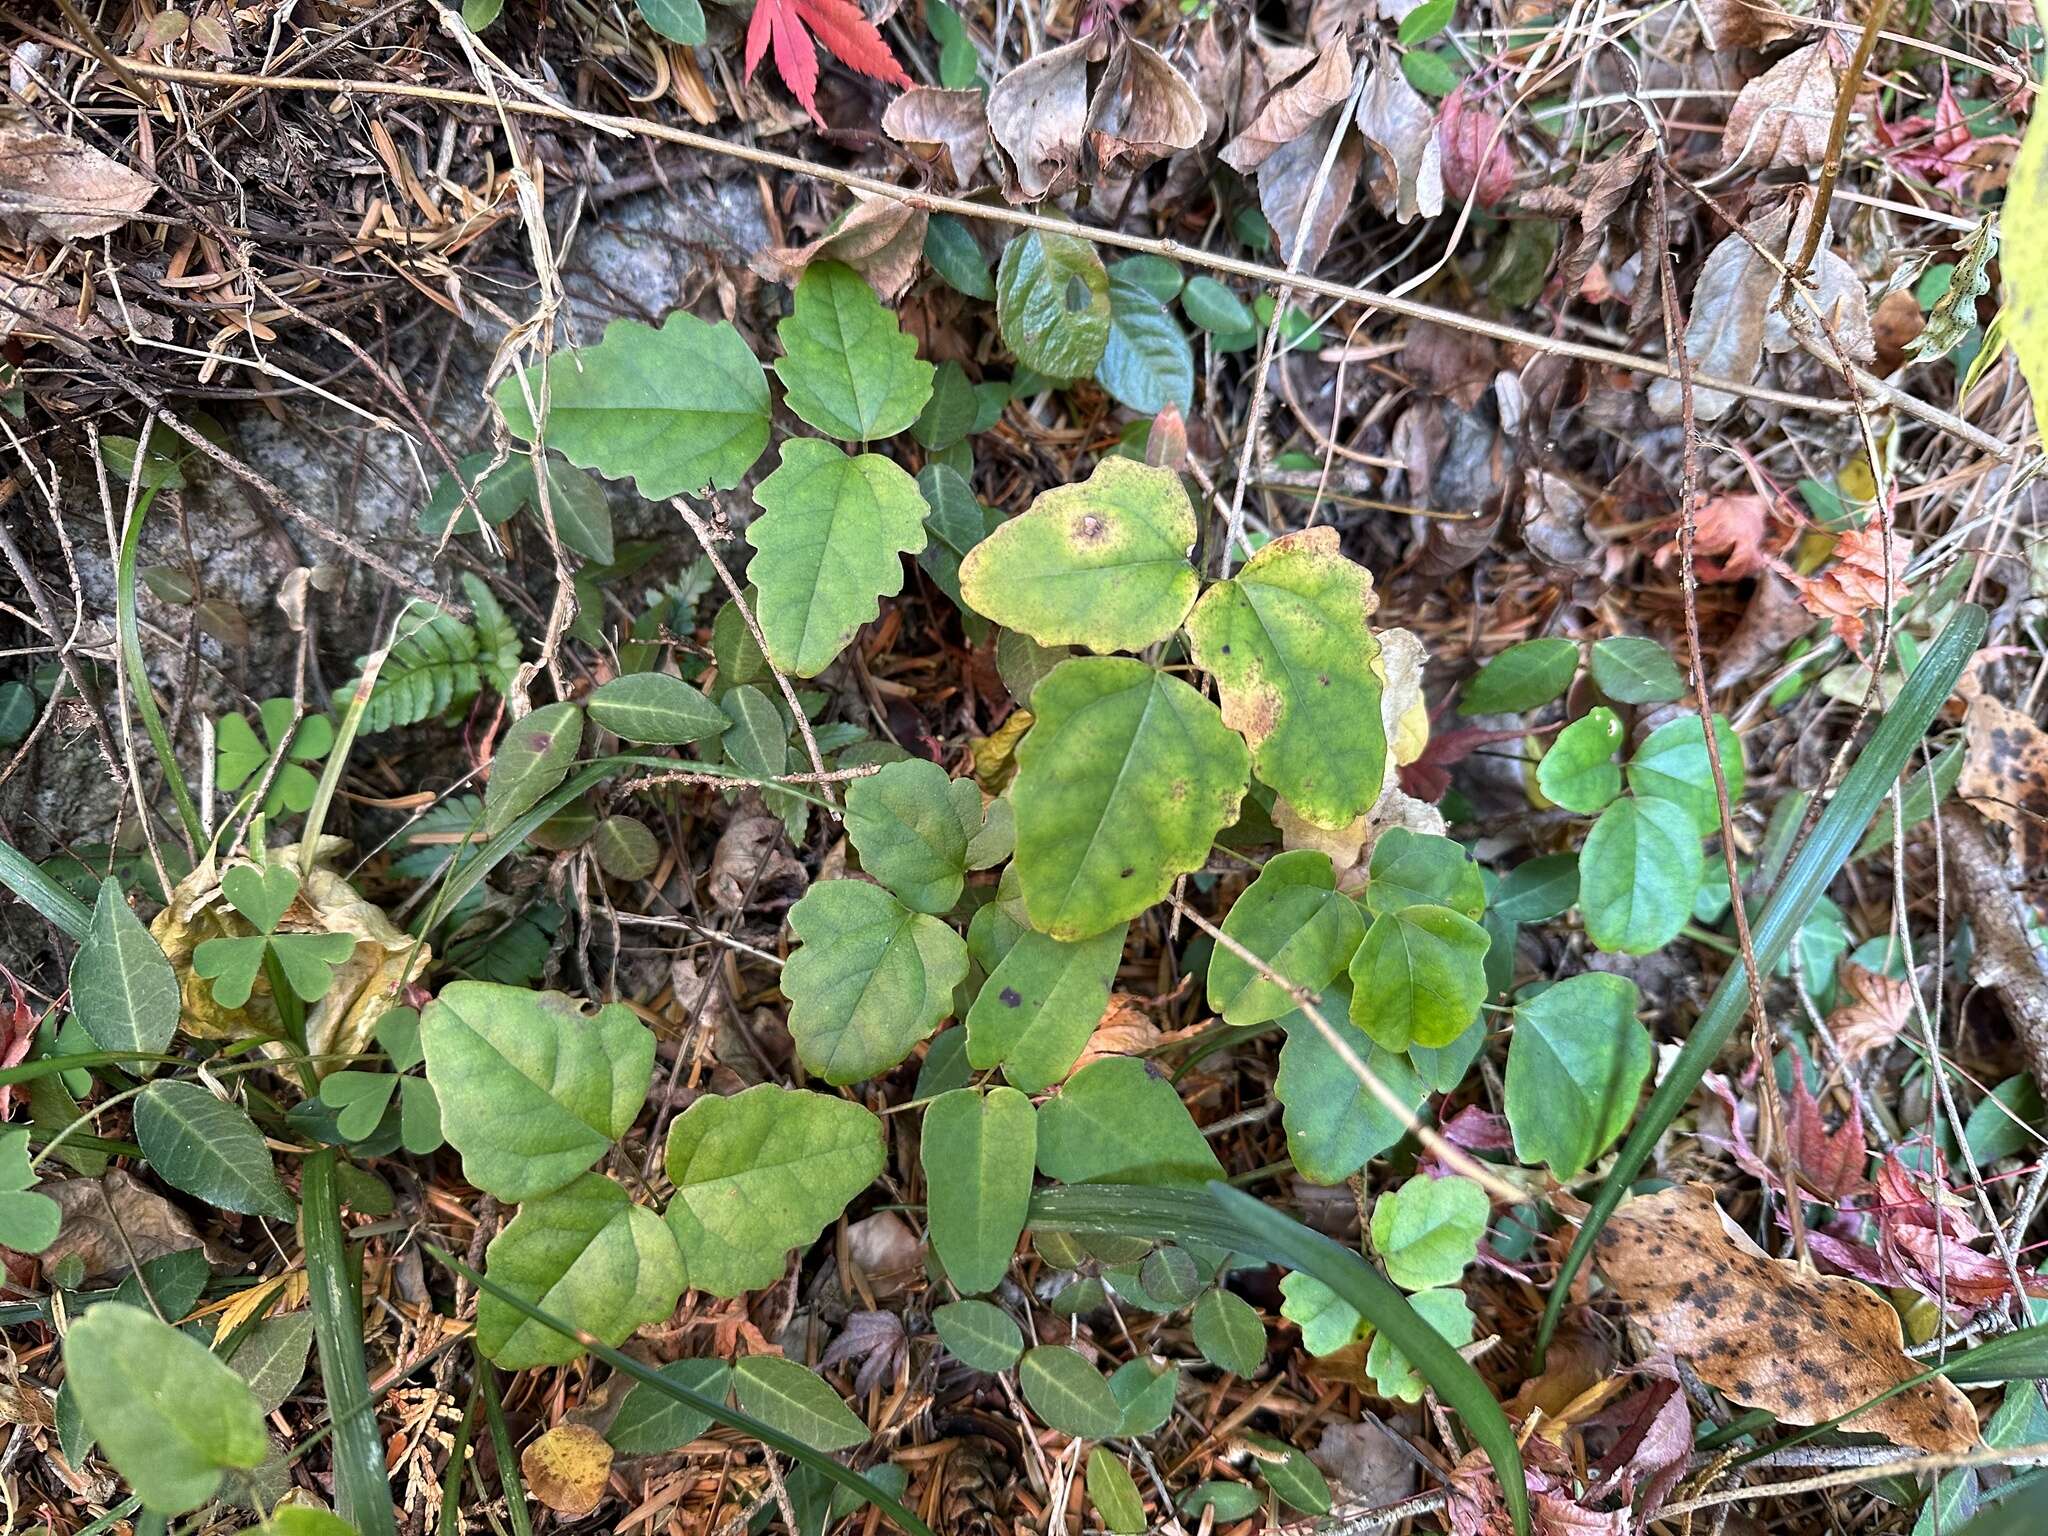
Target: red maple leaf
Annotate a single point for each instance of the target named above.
(839, 26)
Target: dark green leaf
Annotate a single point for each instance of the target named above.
(978, 1334)
(1632, 670)
(1052, 304)
(1521, 677)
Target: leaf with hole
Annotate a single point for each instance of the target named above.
(208, 1148)
(1294, 663)
(1123, 782)
(828, 548)
(532, 1089)
(978, 1153)
(1639, 869)
(871, 979)
(1419, 977)
(1295, 920)
(1103, 563)
(1577, 1061)
(587, 1254)
(758, 1173)
(123, 991)
(847, 368)
(1052, 303)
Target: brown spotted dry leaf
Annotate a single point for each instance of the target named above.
(567, 1468)
(55, 188)
(1807, 1347)
(881, 239)
(1781, 119)
(1876, 1011)
(947, 129)
(2005, 773)
(1038, 113)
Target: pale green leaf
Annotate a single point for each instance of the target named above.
(1327, 1322)
(1422, 869)
(1118, 1505)
(979, 1152)
(758, 1173)
(208, 1148)
(904, 824)
(1444, 1310)
(1638, 872)
(1103, 563)
(1632, 670)
(532, 1089)
(2024, 263)
(871, 979)
(1427, 1230)
(1115, 1123)
(1419, 977)
(1671, 764)
(1068, 1393)
(1334, 1124)
(123, 990)
(589, 1256)
(676, 409)
(796, 1400)
(1287, 642)
(1122, 784)
(1052, 303)
(1295, 920)
(655, 709)
(979, 1334)
(847, 369)
(1578, 771)
(1034, 1014)
(1577, 1061)
(828, 548)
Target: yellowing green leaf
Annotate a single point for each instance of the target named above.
(1103, 563)
(870, 981)
(758, 1173)
(829, 548)
(676, 409)
(1034, 1014)
(1294, 919)
(847, 369)
(1123, 782)
(1419, 977)
(1287, 642)
(589, 1256)
(2024, 262)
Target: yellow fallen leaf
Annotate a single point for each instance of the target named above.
(567, 1468)
(2024, 261)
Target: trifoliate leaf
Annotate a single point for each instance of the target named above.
(758, 1173)
(1427, 1230)
(675, 409)
(1103, 563)
(1576, 1063)
(847, 369)
(1671, 764)
(829, 549)
(1287, 642)
(871, 979)
(1123, 783)
(1295, 920)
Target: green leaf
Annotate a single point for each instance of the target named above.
(1287, 642)
(1114, 1122)
(757, 740)
(871, 979)
(1052, 304)
(1327, 1322)
(271, 1357)
(1147, 363)
(956, 256)
(1034, 1014)
(760, 1172)
(655, 709)
(1230, 1501)
(534, 757)
(479, 14)
(1429, 73)
(649, 1424)
(1118, 1505)
(208, 1148)
(1068, 1393)
(979, 1334)
(1419, 977)
(1289, 1473)
(1122, 784)
(1428, 1230)
(1145, 1393)
(261, 895)
(1632, 670)
(1425, 21)
(1576, 1063)
(232, 965)
(2002, 1124)
(1421, 869)
(1392, 1371)
(829, 546)
(796, 1400)
(29, 1222)
(978, 1152)
(168, 1415)
(1334, 1125)
(1155, 274)
(587, 1254)
(532, 1089)
(847, 369)
(676, 409)
(1538, 889)
(123, 990)
(1638, 871)
(1579, 771)
(1671, 764)
(1215, 308)
(1293, 918)
(1934, 781)
(907, 830)
(1521, 677)
(625, 848)
(1228, 1332)
(680, 21)
(1171, 1275)
(948, 416)
(1102, 564)
(308, 961)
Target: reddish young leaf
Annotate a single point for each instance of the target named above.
(1830, 1163)
(841, 28)
(17, 1034)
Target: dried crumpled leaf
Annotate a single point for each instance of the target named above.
(1724, 333)
(2005, 773)
(52, 187)
(946, 129)
(1038, 113)
(1781, 119)
(567, 1468)
(1404, 175)
(100, 1213)
(1293, 109)
(1477, 159)
(1744, 23)
(751, 843)
(1126, 1029)
(1877, 1009)
(1853, 583)
(880, 238)
(1143, 110)
(1286, 144)
(1806, 1347)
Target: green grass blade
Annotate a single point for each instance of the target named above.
(501, 1447)
(1229, 1218)
(362, 1490)
(137, 675)
(825, 1466)
(1841, 825)
(23, 876)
